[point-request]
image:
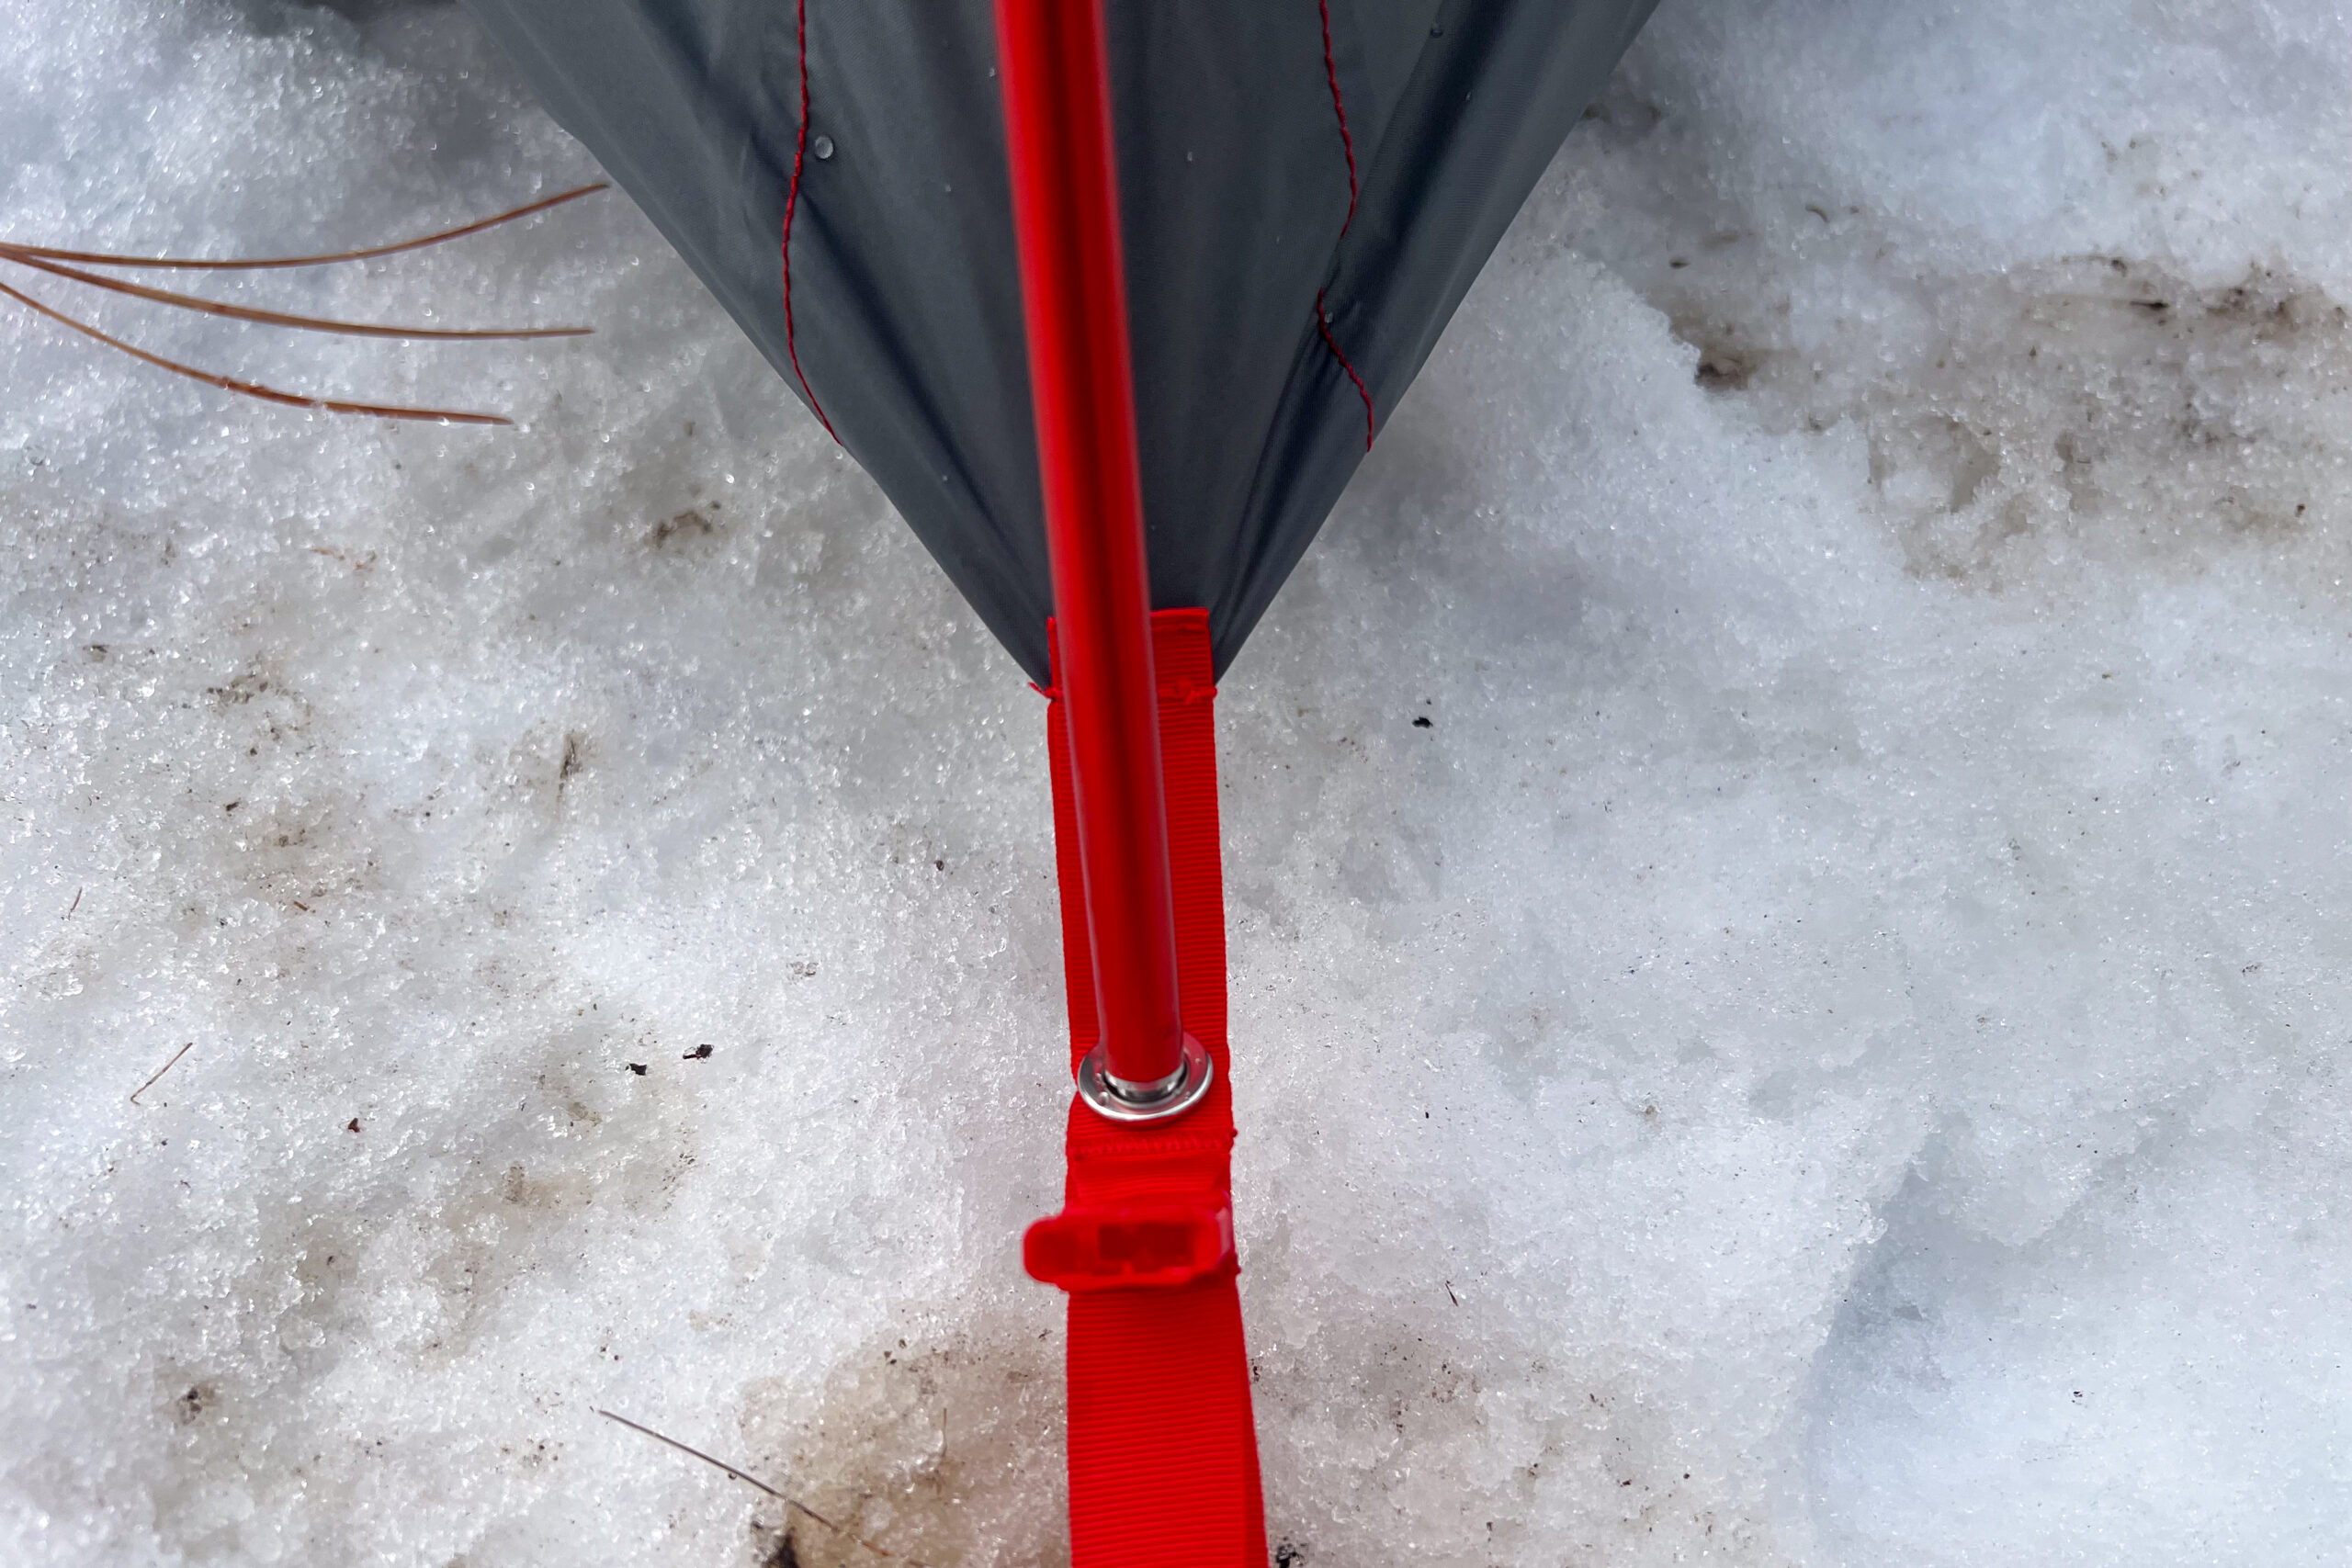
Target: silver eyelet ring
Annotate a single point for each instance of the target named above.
(1172, 1096)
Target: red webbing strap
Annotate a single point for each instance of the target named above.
(1164, 1456)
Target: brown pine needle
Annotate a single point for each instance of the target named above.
(280, 318)
(159, 1071)
(254, 389)
(101, 258)
(754, 1481)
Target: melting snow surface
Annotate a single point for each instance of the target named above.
(1828, 1048)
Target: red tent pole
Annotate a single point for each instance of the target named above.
(1073, 288)
(1164, 1456)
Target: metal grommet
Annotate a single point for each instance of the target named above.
(1173, 1095)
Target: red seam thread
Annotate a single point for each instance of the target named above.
(1346, 145)
(1323, 325)
(791, 204)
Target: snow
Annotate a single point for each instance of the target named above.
(1828, 1049)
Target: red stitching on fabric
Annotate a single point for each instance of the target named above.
(1346, 145)
(1323, 324)
(1186, 692)
(791, 205)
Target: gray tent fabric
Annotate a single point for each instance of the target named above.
(1263, 171)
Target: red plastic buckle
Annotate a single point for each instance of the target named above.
(1140, 1247)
